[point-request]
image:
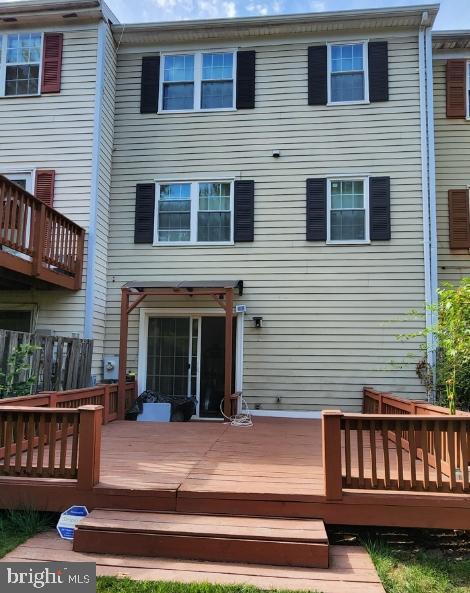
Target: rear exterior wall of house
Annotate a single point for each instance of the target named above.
(452, 172)
(331, 313)
(56, 132)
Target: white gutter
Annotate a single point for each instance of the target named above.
(90, 292)
(428, 180)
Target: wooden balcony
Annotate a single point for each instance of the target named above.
(39, 247)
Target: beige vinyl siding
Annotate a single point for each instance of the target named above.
(56, 132)
(452, 172)
(104, 184)
(331, 313)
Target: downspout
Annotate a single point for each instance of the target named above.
(428, 181)
(90, 291)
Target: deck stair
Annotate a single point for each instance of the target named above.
(216, 538)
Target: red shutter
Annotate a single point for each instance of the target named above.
(456, 88)
(44, 187)
(52, 62)
(459, 219)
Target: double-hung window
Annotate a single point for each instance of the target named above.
(347, 73)
(348, 211)
(197, 81)
(194, 212)
(20, 63)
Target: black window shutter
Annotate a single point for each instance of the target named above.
(316, 209)
(379, 207)
(150, 84)
(244, 198)
(246, 79)
(144, 212)
(317, 75)
(378, 71)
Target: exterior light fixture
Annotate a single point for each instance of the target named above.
(258, 322)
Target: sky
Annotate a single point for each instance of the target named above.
(454, 14)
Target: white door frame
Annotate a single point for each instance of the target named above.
(147, 312)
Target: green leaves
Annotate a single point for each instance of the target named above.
(18, 380)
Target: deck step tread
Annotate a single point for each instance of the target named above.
(282, 542)
(307, 530)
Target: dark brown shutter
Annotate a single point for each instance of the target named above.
(378, 71)
(144, 213)
(316, 209)
(456, 88)
(44, 186)
(149, 84)
(52, 62)
(379, 207)
(244, 215)
(317, 75)
(246, 79)
(459, 219)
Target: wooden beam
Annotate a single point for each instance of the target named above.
(123, 335)
(137, 302)
(228, 351)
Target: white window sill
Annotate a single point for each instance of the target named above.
(348, 242)
(333, 103)
(199, 244)
(19, 96)
(169, 111)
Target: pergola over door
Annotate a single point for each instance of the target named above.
(221, 291)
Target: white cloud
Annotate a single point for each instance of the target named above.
(318, 6)
(258, 8)
(230, 9)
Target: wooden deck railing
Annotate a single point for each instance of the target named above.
(105, 395)
(39, 241)
(43, 442)
(396, 444)
(378, 402)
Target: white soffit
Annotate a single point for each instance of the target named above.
(255, 27)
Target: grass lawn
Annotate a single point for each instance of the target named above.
(419, 571)
(112, 585)
(18, 526)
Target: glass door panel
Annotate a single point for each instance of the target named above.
(168, 355)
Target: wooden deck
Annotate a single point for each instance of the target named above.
(272, 469)
(351, 568)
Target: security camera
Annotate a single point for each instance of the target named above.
(276, 153)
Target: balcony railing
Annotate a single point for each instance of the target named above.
(37, 241)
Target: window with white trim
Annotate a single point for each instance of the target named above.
(198, 81)
(194, 212)
(20, 63)
(23, 179)
(348, 210)
(347, 73)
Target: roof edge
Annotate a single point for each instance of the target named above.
(293, 18)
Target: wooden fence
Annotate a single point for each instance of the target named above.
(59, 363)
(396, 444)
(58, 435)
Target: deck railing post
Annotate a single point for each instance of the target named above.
(106, 402)
(38, 230)
(79, 260)
(331, 444)
(89, 446)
